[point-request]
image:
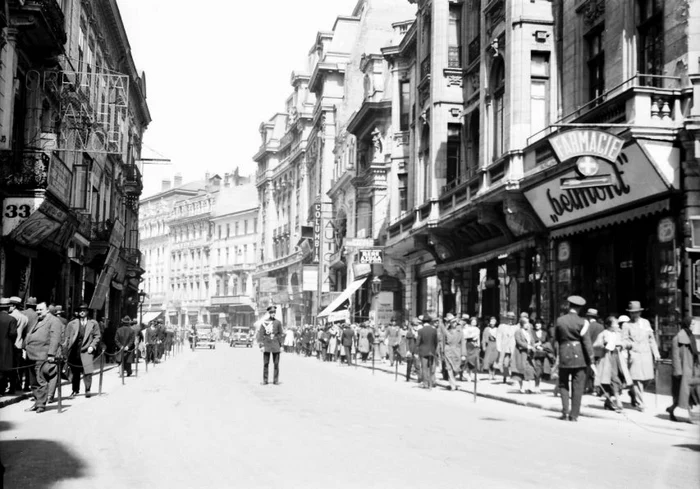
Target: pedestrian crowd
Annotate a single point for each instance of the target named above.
(578, 352)
(39, 346)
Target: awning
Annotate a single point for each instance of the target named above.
(345, 295)
(150, 316)
(620, 217)
(489, 255)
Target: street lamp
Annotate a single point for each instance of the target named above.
(376, 285)
(376, 288)
(142, 298)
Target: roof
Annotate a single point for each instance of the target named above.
(188, 189)
(236, 199)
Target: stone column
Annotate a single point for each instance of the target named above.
(8, 60)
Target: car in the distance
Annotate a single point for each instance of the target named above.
(241, 335)
(205, 336)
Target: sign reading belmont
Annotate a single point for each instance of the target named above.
(586, 142)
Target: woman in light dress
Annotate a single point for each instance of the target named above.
(489, 347)
(471, 336)
(289, 340)
(364, 342)
(454, 350)
(612, 375)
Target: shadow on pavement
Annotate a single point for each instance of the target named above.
(38, 464)
(689, 446)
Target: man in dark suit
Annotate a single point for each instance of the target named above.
(270, 338)
(32, 318)
(42, 344)
(575, 356)
(594, 329)
(347, 339)
(426, 346)
(125, 341)
(82, 338)
(8, 335)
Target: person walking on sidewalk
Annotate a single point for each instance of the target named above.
(543, 355)
(505, 343)
(42, 344)
(522, 367)
(613, 375)
(82, 335)
(426, 346)
(125, 339)
(685, 382)
(347, 339)
(594, 329)
(471, 338)
(410, 348)
(575, 356)
(270, 339)
(393, 338)
(638, 338)
(17, 360)
(489, 346)
(8, 335)
(454, 350)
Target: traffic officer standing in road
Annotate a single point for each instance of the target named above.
(575, 356)
(270, 337)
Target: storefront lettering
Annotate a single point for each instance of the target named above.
(586, 142)
(572, 200)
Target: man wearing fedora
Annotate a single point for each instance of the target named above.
(81, 340)
(594, 329)
(575, 356)
(42, 346)
(270, 338)
(125, 340)
(426, 347)
(32, 318)
(638, 338)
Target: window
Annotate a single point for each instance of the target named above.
(219, 231)
(454, 144)
(473, 143)
(596, 65)
(405, 105)
(81, 185)
(539, 91)
(236, 229)
(245, 226)
(255, 225)
(228, 230)
(403, 192)
(498, 83)
(245, 253)
(454, 37)
(650, 42)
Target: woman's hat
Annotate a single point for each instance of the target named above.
(634, 306)
(623, 319)
(592, 312)
(271, 308)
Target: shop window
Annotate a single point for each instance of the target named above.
(650, 42)
(405, 105)
(596, 64)
(498, 84)
(539, 92)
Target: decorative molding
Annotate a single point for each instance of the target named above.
(592, 11)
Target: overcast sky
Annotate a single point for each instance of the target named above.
(215, 69)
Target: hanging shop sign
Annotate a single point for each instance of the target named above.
(16, 210)
(317, 233)
(371, 256)
(59, 180)
(586, 144)
(633, 178)
(39, 225)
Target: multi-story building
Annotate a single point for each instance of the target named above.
(309, 152)
(72, 115)
(155, 244)
(567, 167)
(233, 252)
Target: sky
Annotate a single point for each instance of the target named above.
(216, 69)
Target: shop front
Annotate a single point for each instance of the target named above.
(612, 210)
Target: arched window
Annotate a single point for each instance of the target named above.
(498, 85)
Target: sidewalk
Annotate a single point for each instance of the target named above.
(591, 406)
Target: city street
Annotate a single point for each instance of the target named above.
(203, 420)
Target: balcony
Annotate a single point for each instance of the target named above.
(27, 170)
(425, 67)
(133, 184)
(234, 267)
(231, 300)
(42, 24)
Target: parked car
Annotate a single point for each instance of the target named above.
(205, 336)
(241, 336)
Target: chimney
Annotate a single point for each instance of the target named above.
(165, 185)
(236, 178)
(178, 180)
(207, 176)
(227, 180)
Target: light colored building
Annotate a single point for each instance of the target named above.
(234, 251)
(155, 244)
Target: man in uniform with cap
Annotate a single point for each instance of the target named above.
(270, 338)
(42, 346)
(575, 356)
(594, 329)
(125, 341)
(81, 340)
(426, 347)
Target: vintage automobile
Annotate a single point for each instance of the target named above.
(241, 335)
(205, 336)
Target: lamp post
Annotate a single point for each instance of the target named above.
(142, 298)
(376, 288)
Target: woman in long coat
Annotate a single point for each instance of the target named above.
(543, 351)
(685, 384)
(364, 342)
(489, 347)
(521, 366)
(471, 337)
(638, 338)
(612, 374)
(454, 350)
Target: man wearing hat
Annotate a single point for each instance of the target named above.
(42, 346)
(81, 340)
(594, 329)
(17, 360)
(575, 356)
(8, 335)
(638, 338)
(505, 343)
(32, 318)
(125, 340)
(426, 347)
(393, 337)
(270, 337)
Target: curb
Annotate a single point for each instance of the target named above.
(497, 397)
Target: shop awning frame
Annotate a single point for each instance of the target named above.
(345, 295)
(151, 316)
(489, 255)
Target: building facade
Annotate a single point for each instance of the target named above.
(74, 112)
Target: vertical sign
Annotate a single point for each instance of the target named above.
(317, 233)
